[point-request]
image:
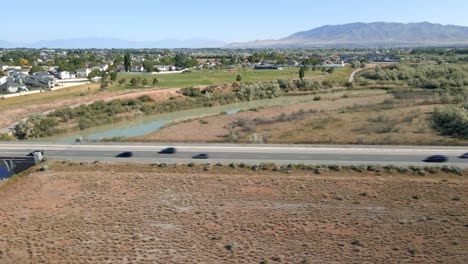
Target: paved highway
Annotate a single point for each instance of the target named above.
(227, 153)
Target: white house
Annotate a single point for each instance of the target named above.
(138, 68)
(83, 72)
(104, 67)
(3, 79)
(165, 67)
(333, 65)
(66, 75)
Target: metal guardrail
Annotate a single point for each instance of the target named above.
(27, 158)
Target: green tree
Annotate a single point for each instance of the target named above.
(301, 73)
(148, 65)
(94, 73)
(239, 78)
(113, 76)
(155, 81)
(144, 82)
(35, 69)
(128, 61)
(331, 70)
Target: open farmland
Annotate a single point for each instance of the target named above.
(133, 213)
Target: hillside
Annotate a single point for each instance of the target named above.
(370, 35)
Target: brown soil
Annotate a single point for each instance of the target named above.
(124, 213)
(14, 114)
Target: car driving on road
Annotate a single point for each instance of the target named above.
(201, 156)
(464, 156)
(126, 154)
(170, 150)
(436, 158)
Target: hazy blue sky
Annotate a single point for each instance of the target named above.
(235, 20)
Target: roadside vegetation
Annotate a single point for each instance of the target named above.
(98, 113)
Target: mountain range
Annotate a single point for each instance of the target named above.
(354, 35)
(364, 35)
(106, 43)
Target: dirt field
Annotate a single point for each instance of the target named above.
(124, 213)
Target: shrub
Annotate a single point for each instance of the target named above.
(6, 137)
(104, 85)
(451, 121)
(145, 98)
(191, 91)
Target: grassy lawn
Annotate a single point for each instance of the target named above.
(211, 77)
(46, 97)
(340, 75)
(219, 77)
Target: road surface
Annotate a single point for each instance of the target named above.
(232, 153)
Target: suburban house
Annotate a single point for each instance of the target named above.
(53, 69)
(138, 68)
(333, 65)
(12, 87)
(293, 63)
(10, 68)
(83, 72)
(120, 68)
(66, 75)
(267, 67)
(103, 67)
(40, 79)
(165, 67)
(3, 79)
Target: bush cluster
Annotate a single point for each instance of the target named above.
(451, 121)
(428, 76)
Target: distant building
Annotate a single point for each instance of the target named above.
(266, 67)
(66, 75)
(12, 87)
(83, 72)
(333, 65)
(138, 68)
(165, 67)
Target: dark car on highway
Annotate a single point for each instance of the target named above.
(126, 154)
(201, 156)
(170, 150)
(464, 156)
(436, 158)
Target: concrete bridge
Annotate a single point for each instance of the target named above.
(10, 166)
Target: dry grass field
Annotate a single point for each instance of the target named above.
(367, 118)
(133, 213)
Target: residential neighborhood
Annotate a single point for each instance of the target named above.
(26, 70)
